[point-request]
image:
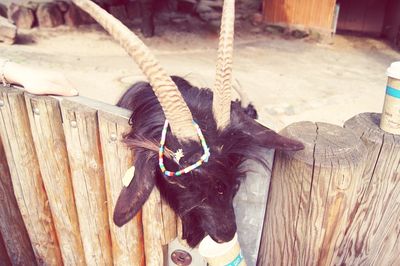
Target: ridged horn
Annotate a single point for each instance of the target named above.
(223, 81)
(171, 100)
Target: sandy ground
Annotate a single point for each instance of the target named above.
(288, 79)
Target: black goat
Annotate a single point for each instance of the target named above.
(203, 197)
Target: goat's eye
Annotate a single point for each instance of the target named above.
(220, 188)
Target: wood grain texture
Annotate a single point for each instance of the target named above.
(26, 177)
(12, 227)
(311, 196)
(307, 13)
(127, 241)
(373, 236)
(159, 228)
(169, 221)
(48, 136)
(365, 16)
(86, 164)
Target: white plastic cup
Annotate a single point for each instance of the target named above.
(390, 119)
(224, 254)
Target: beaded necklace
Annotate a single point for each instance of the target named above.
(203, 158)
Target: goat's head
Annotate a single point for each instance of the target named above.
(201, 195)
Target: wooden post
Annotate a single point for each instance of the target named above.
(12, 226)
(372, 237)
(169, 221)
(26, 177)
(83, 144)
(311, 195)
(158, 219)
(159, 227)
(48, 136)
(127, 242)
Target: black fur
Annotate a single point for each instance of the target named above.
(202, 198)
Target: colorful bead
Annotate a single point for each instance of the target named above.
(203, 158)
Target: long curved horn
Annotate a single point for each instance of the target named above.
(223, 81)
(171, 100)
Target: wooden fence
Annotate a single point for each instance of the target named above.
(337, 201)
(61, 164)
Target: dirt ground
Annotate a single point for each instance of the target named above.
(288, 79)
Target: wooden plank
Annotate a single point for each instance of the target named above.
(311, 196)
(12, 226)
(83, 144)
(26, 177)
(313, 14)
(355, 14)
(280, 252)
(152, 229)
(362, 16)
(127, 242)
(158, 219)
(374, 17)
(373, 236)
(159, 227)
(169, 221)
(48, 136)
(392, 22)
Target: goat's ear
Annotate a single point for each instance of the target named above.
(132, 198)
(269, 138)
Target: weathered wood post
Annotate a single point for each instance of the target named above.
(159, 226)
(311, 196)
(86, 164)
(48, 136)
(127, 241)
(12, 226)
(373, 236)
(26, 177)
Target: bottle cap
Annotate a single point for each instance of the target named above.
(394, 70)
(209, 248)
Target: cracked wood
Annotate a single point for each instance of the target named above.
(86, 164)
(373, 236)
(12, 226)
(48, 136)
(26, 177)
(311, 195)
(127, 241)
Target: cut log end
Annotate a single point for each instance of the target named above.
(312, 195)
(366, 127)
(325, 144)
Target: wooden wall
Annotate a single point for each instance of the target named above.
(391, 28)
(366, 16)
(61, 171)
(12, 228)
(316, 14)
